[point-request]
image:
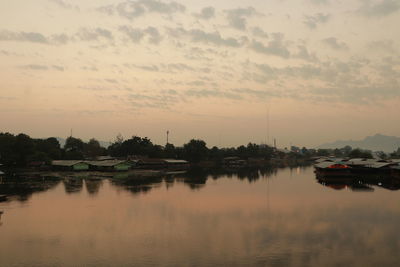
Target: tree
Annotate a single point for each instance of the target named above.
(50, 147)
(24, 147)
(73, 148)
(195, 150)
(93, 149)
(8, 155)
(358, 153)
(170, 151)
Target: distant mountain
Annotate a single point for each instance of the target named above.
(62, 142)
(378, 142)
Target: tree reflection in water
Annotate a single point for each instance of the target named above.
(195, 178)
(22, 188)
(93, 185)
(73, 185)
(137, 184)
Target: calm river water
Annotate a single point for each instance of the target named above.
(252, 218)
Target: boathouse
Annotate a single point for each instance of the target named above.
(110, 165)
(161, 164)
(70, 165)
(152, 164)
(176, 164)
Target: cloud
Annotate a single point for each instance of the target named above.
(95, 34)
(33, 37)
(237, 17)
(154, 35)
(114, 81)
(34, 67)
(387, 46)
(335, 44)
(211, 93)
(255, 93)
(320, 2)
(258, 32)
(134, 9)
(41, 67)
(200, 36)
(304, 54)
(276, 47)
(60, 39)
(152, 68)
(64, 4)
(359, 94)
(313, 21)
(381, 9)
(136, 34)
(59, 68)
(206, 13)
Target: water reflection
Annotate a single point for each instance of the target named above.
(73, 185)
(22, 188)
(138, 185)
(360, 184)
(93, 185)
(254, 217)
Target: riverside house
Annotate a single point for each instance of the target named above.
(70, 165)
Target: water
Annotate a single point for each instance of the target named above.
(269, 218)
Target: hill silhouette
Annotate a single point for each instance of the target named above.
(378, 142)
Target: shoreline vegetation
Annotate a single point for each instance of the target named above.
(23, 154)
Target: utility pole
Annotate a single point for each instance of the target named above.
(167, 137)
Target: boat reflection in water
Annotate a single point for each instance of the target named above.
(359, 184)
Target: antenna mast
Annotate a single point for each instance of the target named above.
(167, 137)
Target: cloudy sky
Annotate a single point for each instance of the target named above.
(302, 71)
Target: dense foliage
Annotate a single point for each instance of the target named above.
(21, 150)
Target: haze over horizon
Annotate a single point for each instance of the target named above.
(321, 70)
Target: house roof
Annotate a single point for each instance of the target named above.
(326, 164)
(104, 158)
(67, 163)
(378, 165)
(231, 158)
(152, 161)
(107, 163)
(175, 161)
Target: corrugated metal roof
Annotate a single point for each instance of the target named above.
(378, 165)
(325, 164)
(105, 158)
(106, 163)
(175, 161)
(67, 163)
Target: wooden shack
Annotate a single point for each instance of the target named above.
(69, 165)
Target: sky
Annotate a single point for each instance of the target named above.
(303, 72)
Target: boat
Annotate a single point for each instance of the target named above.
(335, 169)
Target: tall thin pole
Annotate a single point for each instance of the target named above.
(167, 137)
(268, 124)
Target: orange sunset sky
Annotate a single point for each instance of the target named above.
(228, 72)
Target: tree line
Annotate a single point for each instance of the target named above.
(21, 150)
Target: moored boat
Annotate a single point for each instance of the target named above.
(332, 169)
